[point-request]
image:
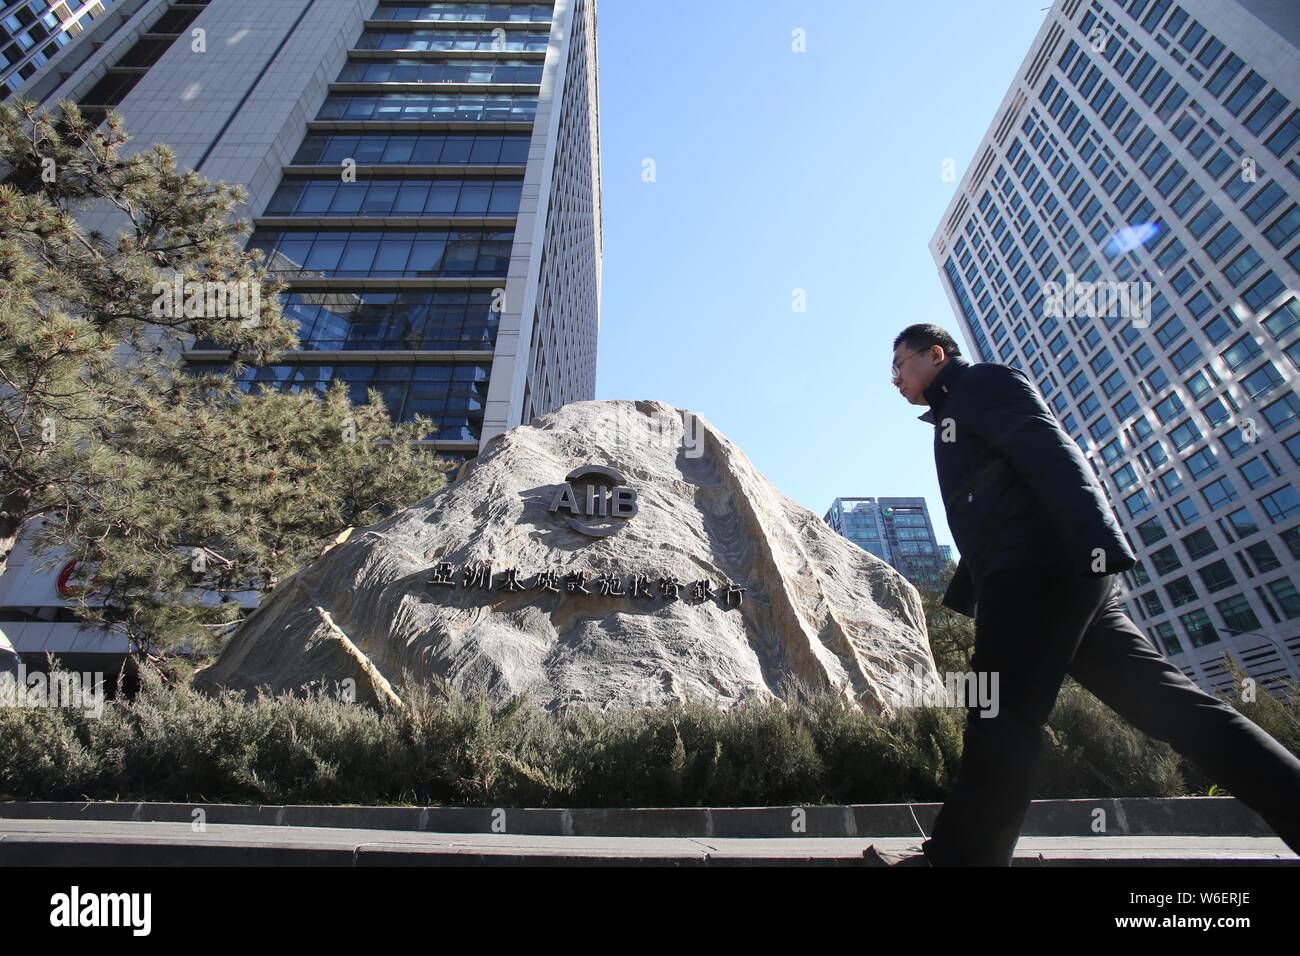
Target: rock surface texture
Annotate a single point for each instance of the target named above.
(817, 611)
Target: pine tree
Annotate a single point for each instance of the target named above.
(952, 635)
(176, 491)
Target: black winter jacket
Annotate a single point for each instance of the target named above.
(1016, 488)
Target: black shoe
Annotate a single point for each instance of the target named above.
(874, 857)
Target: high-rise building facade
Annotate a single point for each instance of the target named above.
(424, 176)
(1129, 236)
(896, 530)
(34, 32)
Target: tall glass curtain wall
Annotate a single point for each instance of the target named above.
(404, 256)
(1118, 169)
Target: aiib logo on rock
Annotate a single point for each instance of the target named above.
(595, 500)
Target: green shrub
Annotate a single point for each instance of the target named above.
(171, 743)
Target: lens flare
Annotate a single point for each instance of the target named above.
(1130, 237)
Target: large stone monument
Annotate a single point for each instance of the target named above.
(614, 554)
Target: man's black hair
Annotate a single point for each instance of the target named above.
(924, 335)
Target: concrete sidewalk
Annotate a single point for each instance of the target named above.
(1195, 831)
(112, 843)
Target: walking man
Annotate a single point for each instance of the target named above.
(1040, 551)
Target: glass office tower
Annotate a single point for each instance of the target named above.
(1129, 235)
(425, 176)
(896, 530)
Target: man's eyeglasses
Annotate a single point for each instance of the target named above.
(898, 366)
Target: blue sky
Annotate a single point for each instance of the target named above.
(777, 171)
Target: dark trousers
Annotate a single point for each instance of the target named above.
(1035, 625)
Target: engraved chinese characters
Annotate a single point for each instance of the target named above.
(481, 577)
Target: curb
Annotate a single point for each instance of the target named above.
(1124, 816)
